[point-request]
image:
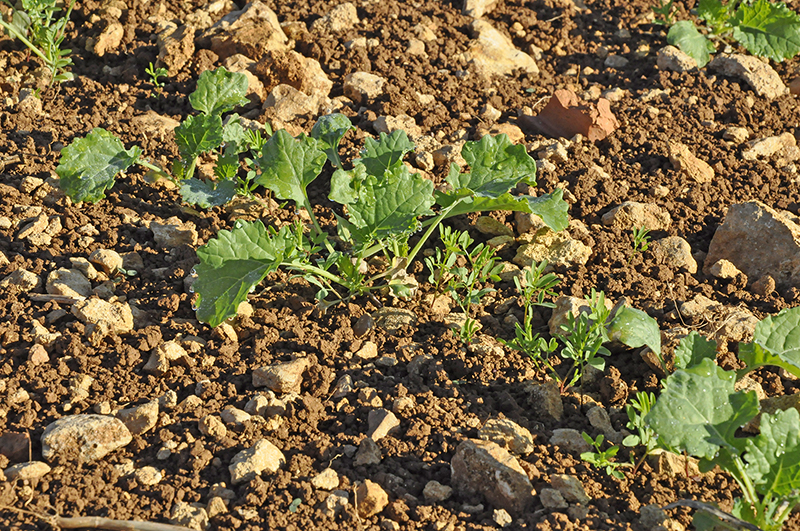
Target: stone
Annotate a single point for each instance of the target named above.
(174, 233)
(392, 319)
(38, 355)
(758, 240)
(766, 147)
(363, 87)
(484, 467)
(334, 503)
(213, 427)
(163, 355)
(108, 317)
(416, 47)
(389, 124)
(341, 18)
(598, 417)
(22, 279)
(286, 103)
(492, 53)
(328, 479)
(381, 422)
(279, 67)
(27, 471)
(651, 516)
(108, 41)
(724, 269)
(502, 518)
(188, 515)
(250, 32)
(68, 283)
(369, 453)
(672, 465)
(370, 499)
(492, 227)
(552, 499)
(84, 437)
(140, 419)
(764, 286)
(671, 58)
(559, 249)
(175, 47)
(570, 488)
(545, 399)
(435, 492)
(216, 506)
(512, 131)
(148, 475)
(633, 215)
(759, 75)
(281, 377)
(234, 416)
(570, 440)
(368, 351)
(477, 8)
(674, 252)
(684, 161)
(737, 135)
(263, 456)
(42, 336)
(109, 261)
(615, 61)
(566, 306)
(565, 116)
(509, 435)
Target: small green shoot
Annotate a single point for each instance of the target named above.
(637, 410)
(584, 337)
(38, 27)
(641, 241)
(603, 458)
(155, 74)
(665, 12)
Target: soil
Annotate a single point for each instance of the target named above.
(455, 391)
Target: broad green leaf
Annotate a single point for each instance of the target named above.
(550, 207)
(767, 29)
(385, 206)
(693, 349)
(205, 194)
(233, 134)
(635, 328)
(685, 36)
(227, 166)
(288, 166)
(198, 134)
(773, 456)
(496, 166)
(380, 155)
(234, 263)
(713, 12)
(89, 165)
(699, 411)
(776, 341)
(329, 131)
(219, 91)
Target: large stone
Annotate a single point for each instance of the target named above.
(262, 456)
(766, 147)
(557, 248)
(759, 75)
(173, 233)
(492, 53)
(477, 8)
(485, 467)
(565, 116)
(27, 471)
(287, 67)
(341, 18)
(84, 437)
(633, 215)
(68, 283)
(107, 317)
(22, 279)
(683, 160)
(175, 47)
(363, 87)
(509, 435)
(281, 377)
(140, 419)
(286, 103)
(674, 252)
(371, 499)
(758, 240)
(671, 58)
(251, 32)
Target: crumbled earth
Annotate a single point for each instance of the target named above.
(322, 450)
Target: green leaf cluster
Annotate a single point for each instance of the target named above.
(699, 412)
(382, 204)
(764, 28)
(89, 166)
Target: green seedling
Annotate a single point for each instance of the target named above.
(533, 287)
(641, 241)
(155, 74)
(603, 458)
(665, 12)
(643, 435)
(765, 29)
(583, 338)
(36, 24)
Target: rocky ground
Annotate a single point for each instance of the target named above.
(118, 403)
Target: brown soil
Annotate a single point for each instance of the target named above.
(456, 391)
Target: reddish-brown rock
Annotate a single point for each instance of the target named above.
(565, 115)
